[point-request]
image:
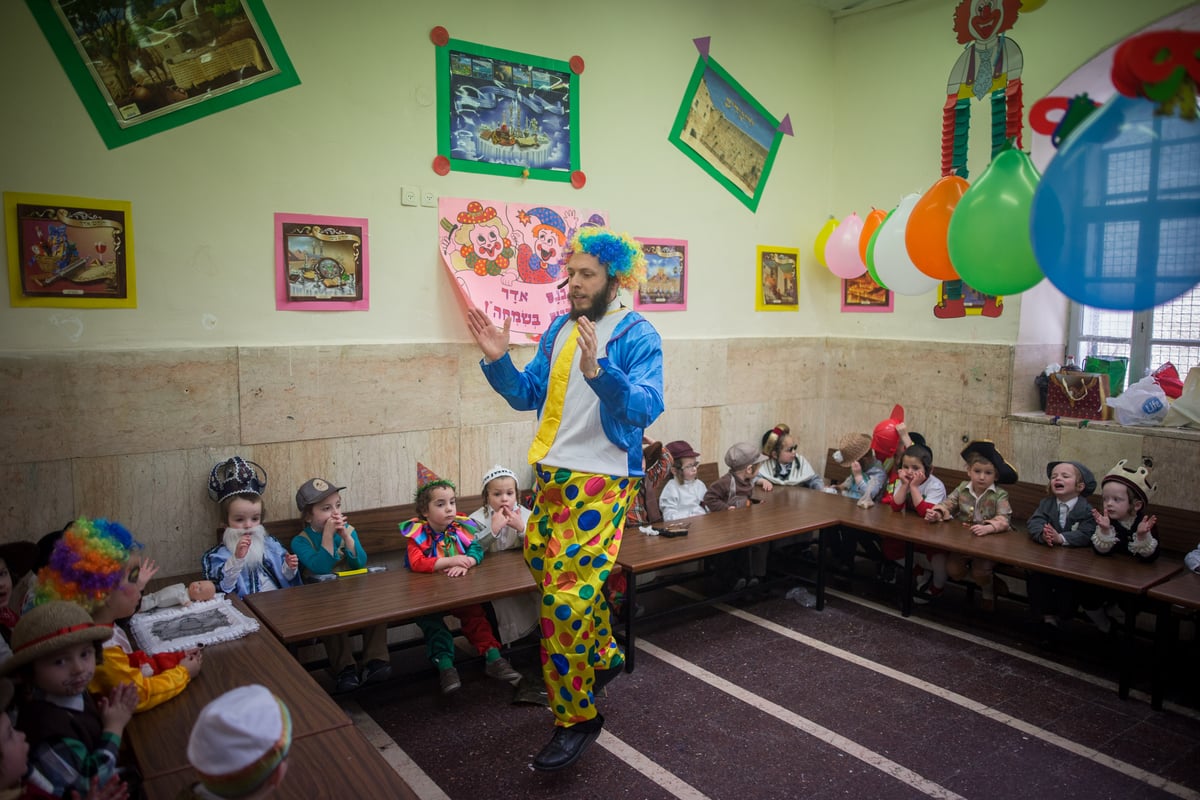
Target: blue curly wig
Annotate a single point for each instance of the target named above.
(620, 254)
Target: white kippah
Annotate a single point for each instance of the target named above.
(238, 740)
(500, 472)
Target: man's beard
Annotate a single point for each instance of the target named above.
(258, 544)
(595, 308)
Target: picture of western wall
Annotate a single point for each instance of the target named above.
(712, 132)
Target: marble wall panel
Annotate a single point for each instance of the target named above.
(1176, 466)
(298, 393)
(696, 376)
(1028, 361)
(484, 446)
(106, 403)
(761, 368)
(680, 423)
(478, 402)
(39, 497)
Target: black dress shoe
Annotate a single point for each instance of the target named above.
(567, 745)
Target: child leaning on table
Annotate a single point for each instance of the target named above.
(784, 466)
(329, 544)
(1064, 519)
(917, 489)
(442, 540)
(733, 490)
(502, 520)
(683, 495)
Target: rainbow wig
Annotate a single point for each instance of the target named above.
(87, 564)
(620, 254)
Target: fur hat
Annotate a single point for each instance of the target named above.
(1085, 474)
(48, 628)
(987, 448)
(742, 455)
(239, 739)
(499, 472)
(1138, 480)
(851, 448)
(236, 475)
(314, 491)
(679, 449)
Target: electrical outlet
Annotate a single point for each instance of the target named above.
(428, 197)
(409, 196)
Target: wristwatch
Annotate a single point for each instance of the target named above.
(599, 371)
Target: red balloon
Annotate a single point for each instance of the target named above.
(873, 221)
(925, 236)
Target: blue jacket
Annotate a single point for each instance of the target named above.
(630, 388)
(247, 582)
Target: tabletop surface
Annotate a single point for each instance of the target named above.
(1183, 590)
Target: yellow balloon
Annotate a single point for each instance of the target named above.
(822, 238)
(1031, 5)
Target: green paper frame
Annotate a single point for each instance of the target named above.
(106, 115)
(445, 111)
(676, 137)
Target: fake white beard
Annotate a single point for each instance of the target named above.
(258, 544)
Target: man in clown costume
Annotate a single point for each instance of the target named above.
(596, 381)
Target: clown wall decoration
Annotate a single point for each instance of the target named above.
(988, 69)
(508, 259)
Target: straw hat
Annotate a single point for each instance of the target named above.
(852, 447)
(48, 628)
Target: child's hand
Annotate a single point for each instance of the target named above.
(292, 560)
(1050, 535)
(117, 708)
(115, 789)
(865, 502)
(934, 515)
(982, 528)
(456, 571)
(1146, 525)
(765, 484)
(148, 570)
(1102, 520)
(243, 546)
(191, 661)
(856, 470)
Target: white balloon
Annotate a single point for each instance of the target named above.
(895, 269)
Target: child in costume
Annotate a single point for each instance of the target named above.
(442, 540)
(733, 490)
(784, 466)
(979, 504)
(1064, 519)
(72, 738)
(239, 745)
(867, 478)
(330, 544)
(683, 495)
(502, 521)
(16, 558)
(97, 565)
(917, 489)
(248, 560)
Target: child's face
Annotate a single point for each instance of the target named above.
(687, 469)
(787, 450)
(14, 753)
(244, 514)
(982, 475)
(1116, 501)
(442, 508)
(6, 586)
(322, 511)
(912, 469)
(66, 672)
(123, 601)
(1065, 482)
(502, 493)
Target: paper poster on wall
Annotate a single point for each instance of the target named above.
(507, 258)
(321, 263)
(778, 288)
(864, 294)
(69, 252)
(665, 286)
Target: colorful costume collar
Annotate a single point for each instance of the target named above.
(461, 533)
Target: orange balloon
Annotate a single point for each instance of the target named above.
(873, 221)
(925, 236)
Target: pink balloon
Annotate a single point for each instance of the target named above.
(841, 251)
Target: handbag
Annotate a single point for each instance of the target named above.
(1081, 395)
(1115, 366)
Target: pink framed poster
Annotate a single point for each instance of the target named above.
(321, 263)
(864, 294)
(665, 285)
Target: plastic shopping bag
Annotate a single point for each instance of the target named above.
(1143, 403)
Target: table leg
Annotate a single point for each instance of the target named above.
(906, 587)
(1166, 633)
(1128, 645)
(822, 548)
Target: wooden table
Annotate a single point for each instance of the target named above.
(1182, 590)
(784, 512)
(334, 763)
(398, 595)
(159, 736)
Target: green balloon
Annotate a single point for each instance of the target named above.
(871, 248)
(988, 239)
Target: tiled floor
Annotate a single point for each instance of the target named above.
(771, 700)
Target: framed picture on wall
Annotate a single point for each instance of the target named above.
(502, 112)
(143, 68)
(864, 294)
(726, 132)
(69, 252)
(778, 282)
(665, 286)
(321, 263)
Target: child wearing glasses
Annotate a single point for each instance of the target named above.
(784, 466)
(683, 496)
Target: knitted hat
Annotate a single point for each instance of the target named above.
(18, 557)
(680, 449)
(884, 439)
(1085, 474)
(742, 455)
(851, 448)
(491, 475)
(427, 480)
(239, 739)
(987, 448)
(86, 564)
(314, 491)
(48, 628)
(772, 438)
(1138, 480)
(236, 475)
